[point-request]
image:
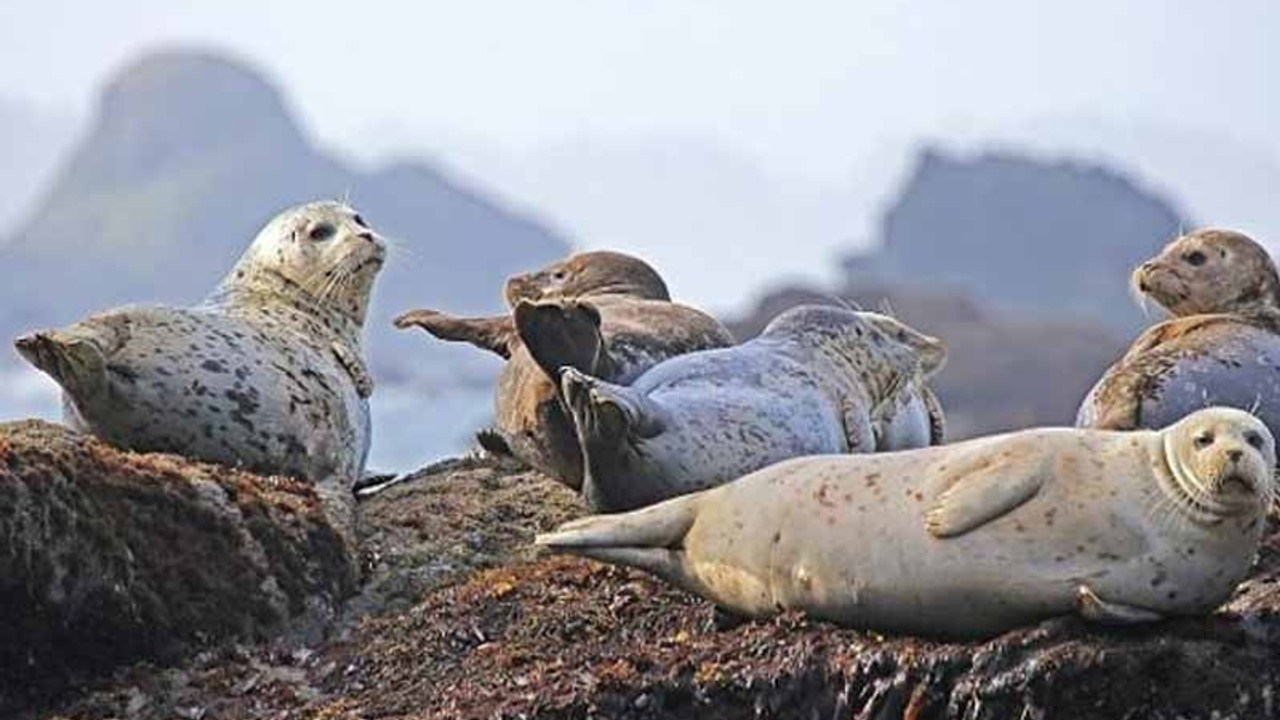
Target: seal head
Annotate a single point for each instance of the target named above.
(1220, 463)
(325, 249)
(1210, 271)
(588, 274)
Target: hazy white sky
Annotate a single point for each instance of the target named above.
(805, 89)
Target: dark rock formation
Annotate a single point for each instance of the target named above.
(566, 639)
(1003, 372)
(188, 155)
(108, 557)
(1022, 235)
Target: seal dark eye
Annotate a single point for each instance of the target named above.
(1204, 439)
(1254, 440)
(559, 275)
(323, 231)
(1194, 258)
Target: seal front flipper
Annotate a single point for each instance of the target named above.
(982, 495)
(650, 539)
(562, 334)
(1095, 609)
(354, 365)
(495, 334)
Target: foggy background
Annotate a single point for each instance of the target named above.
(993, 168)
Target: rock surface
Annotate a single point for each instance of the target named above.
(464, 620)
(108, 557)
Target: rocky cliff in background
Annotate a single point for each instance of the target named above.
(188, 155)
(1022, 236)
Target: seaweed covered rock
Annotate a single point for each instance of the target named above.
(480, 626)
(109, 557)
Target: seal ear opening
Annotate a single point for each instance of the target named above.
(562, 334)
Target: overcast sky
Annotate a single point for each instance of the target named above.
(805, 90)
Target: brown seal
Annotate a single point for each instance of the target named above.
(606, 314)
(1210, 271)
(1222, 347)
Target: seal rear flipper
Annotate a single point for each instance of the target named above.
(563, 334)
(650, 539)
(495, 334)
(606, 414)
(75, 360)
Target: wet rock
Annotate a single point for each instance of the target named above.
(486, 628)
(108, 557)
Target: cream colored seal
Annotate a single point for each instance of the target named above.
(972, 539)
(603, 313)
(817, 380)
(266, 374)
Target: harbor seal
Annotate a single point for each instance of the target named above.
(603, 313)
(1210, 271)
(266, 374)
(1221, 348)
(817, 380)
(971, 539)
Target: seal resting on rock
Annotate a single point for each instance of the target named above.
(606, 314)
(817, 380)
(972, 539)
(266, 374)
(1221, 348)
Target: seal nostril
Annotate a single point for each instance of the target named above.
(367, 236)
(1235, 455)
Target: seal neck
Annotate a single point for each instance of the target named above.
(253, 288)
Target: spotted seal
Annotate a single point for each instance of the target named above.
(817, 380)
(971, 539)
(603, 313)
(267, 373)
(1222, 347)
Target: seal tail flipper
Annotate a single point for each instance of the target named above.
(604, 413)
(74, 360)
(563, 334)
(650, 539)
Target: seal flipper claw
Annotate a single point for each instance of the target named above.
(1095, 609)
(562, 334)
(76, 362)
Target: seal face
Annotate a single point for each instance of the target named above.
(1118, 527)
(605, 314)
(1210, 271)
(817, 380)
(267, 373)
(1222, 348)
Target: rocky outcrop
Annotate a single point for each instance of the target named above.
(108, 557)
(990, 225)
(483, 627)
(188, 154)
